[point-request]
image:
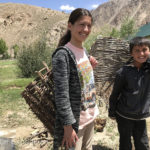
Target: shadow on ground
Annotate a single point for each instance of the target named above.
(99, 147)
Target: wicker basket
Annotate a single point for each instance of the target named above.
(39, 95)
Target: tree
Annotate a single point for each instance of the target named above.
(114, 33)
(3, 47)
(127, 28)
(29, 59)
(16, 49)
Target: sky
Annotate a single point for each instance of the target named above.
(60, 5)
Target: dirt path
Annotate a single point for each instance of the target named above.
(102, 140)
(105, 140)
(15, 132)
(19, 136)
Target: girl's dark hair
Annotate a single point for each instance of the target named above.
(139, 41)
(74, 16)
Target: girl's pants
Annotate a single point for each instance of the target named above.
(85, 136)
(135, 128)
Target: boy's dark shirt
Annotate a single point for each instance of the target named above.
(130, 97)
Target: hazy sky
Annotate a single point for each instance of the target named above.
(60, 5)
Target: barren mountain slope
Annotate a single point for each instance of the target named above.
(114, 11)
(23, 24)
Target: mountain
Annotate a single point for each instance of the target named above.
(23, 24)
(114, 12)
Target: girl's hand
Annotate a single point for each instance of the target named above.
(93, 61)
(70, 137)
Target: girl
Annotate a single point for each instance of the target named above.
(75, 96)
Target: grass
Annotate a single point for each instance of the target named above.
(13, 108)
(18, 83)
(8, 71)
(8, 62)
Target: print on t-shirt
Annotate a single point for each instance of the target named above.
(88, 86)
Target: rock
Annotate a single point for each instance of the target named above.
(6, 144)
(99, 124)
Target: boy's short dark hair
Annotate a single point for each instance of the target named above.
(139, 41)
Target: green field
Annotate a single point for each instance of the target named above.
(13, 109)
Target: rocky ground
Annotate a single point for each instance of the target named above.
(36, 138)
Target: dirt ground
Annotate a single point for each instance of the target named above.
(21, 137)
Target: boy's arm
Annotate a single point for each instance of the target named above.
(118, 86)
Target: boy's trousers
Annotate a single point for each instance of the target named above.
(135, 128)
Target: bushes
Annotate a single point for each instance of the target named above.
(128, 28)
(16, 49)
(3, 47)
(30, 58)
(90, 40)
(126, 31)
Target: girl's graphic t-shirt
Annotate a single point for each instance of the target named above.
(89, 108)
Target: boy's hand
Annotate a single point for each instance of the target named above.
(93, 61)
(70, 137)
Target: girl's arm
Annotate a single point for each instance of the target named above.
(60, 68)
(61, 81)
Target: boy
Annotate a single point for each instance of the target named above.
(129, 101)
